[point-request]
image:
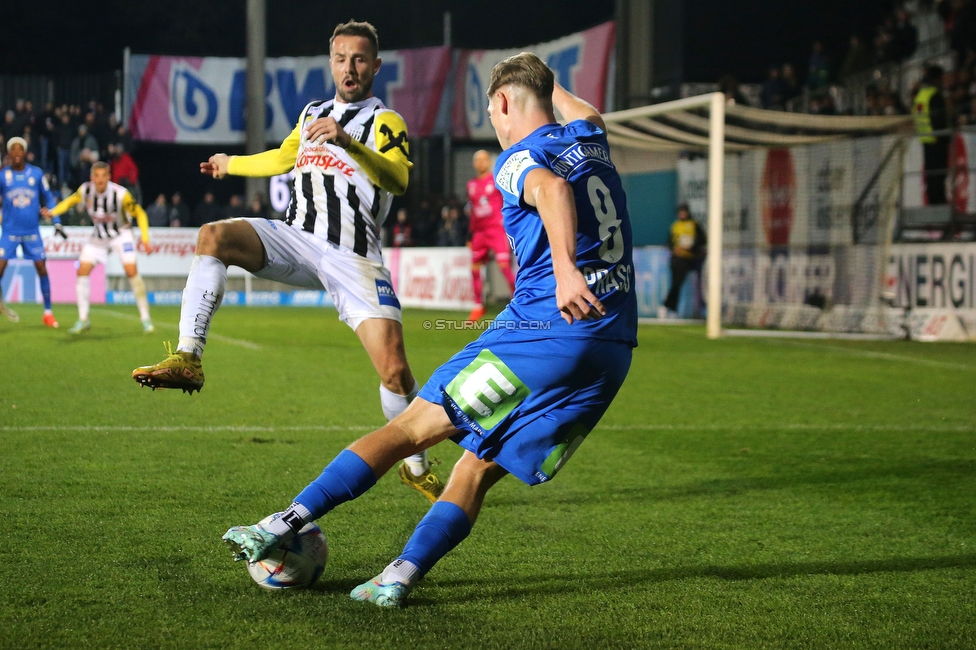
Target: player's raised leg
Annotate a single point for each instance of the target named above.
(445, 526)
(219, 245)
(354, 471)
(383, 340)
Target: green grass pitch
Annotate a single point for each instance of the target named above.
(738, 494)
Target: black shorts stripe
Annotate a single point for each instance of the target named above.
(361, 243)
(334, 208)
(310, 211)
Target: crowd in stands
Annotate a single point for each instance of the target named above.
(66, 140)
(894, 41)
(435, 222)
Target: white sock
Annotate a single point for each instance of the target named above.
(401, 571)
(139, 288)
(202, 296)
(83, 291)
(291, 521)
(394, 405)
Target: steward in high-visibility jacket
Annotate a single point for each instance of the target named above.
(929, 111)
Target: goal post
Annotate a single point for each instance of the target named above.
(798, 208)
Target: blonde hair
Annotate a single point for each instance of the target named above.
(527, 71)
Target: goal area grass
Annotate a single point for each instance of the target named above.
(739, 493)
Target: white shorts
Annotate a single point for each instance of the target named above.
(95, 251)
(360, 287)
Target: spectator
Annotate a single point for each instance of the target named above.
(10, 128)
(729, 85)
(207, 211)
(791, 87)
(402, 230)
(125, 172)
(235, 207)
(158, 212)
(258, 208)
(904, 36)
(450, 232)
(33, 147)
(64, 135)
(425, 223)
(818, 69)
(179, 212)
(857, 60)
(773, 93)
(45, 127)
(22, 116)
(84, 152)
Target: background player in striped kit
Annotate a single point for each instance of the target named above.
(487, 230)
(349, 155)
(111, 208)
(22, 185)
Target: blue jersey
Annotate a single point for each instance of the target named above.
(22, 192)
(579, 153)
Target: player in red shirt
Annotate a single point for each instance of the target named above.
(486, 229)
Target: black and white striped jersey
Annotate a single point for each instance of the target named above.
(332, 196)
(109, 210)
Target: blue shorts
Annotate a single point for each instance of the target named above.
(528, 403)
(32, 244)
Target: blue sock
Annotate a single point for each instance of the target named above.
(344, 479)
(443, 527)
(46, 290)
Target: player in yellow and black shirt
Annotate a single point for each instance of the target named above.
(349, 155)
(687, 242)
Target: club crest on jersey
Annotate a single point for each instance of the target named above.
(10, 176)
(31, 181)
(386, 294)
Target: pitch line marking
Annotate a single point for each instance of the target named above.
(871, 354)
(922, 428)
(244, 343)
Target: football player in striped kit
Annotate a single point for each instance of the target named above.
(111, 208)
(349, 155)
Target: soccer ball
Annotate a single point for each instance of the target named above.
(294, 565)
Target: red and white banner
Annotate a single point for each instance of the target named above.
(437, 90)
(581, 62)
(201, 100)
(172, 251)
(432, 278)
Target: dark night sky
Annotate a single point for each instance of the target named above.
(738, 36)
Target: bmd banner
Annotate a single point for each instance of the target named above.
(581, 62)
(201, 100)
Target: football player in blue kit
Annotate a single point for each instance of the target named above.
(22, 185)
(523, 396)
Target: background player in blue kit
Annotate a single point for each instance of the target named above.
(21, 186)
(523, 396)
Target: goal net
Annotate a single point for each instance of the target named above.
(807, 209)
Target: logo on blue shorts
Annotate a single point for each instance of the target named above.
(386, 294)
